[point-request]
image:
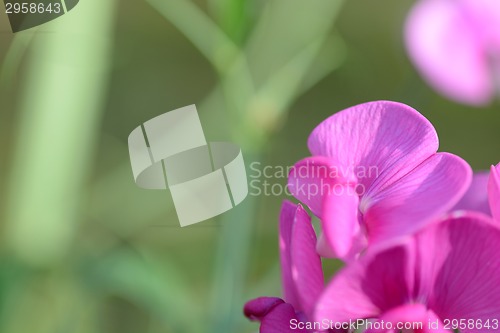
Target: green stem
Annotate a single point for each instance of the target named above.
(232, 264)
(62, 101)
(205, 35)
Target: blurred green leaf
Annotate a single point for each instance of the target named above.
(234, 17)
(284, 29)
(158, 288)
(14, 57)
(62, 102)
(200, 29)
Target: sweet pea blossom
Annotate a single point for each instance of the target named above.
(445, 277)
(375, 176)
(302, 276)
(483, 194)
(455, 45)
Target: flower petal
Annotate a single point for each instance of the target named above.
(366, 288)
(311, 179)
(485, 14)
(324, 248)
(465, 276)
(279, 320)
(494, 192)
(375, 138)
(415, 315)
(331, 194)
(476, 197)
(444, 44)
(434, 324)
(307, 272)
(340, 222)
(408, 313)
(274, 314)
(300, 264)
(417, 199)
(287, 220)
(258, 308)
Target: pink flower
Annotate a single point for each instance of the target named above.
(302, 276)
(375, 176)
(449, 271)
(483, 194)
(455, 44)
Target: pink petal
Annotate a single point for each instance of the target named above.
(307, 272)
(406, 313)
(324, 248)
(374, 138)
(431, 255)
(494, 192)
(485, 15)
(446, 47)
(275, 315)
(279, 319)
(465, 277)
(476, 197)
(417, 199)
(301, 265)
(340, 222)
(331, 194)
(416, 315)
(287, 220)
(411, 313)
(434, 324)
(366, 288)
(311, 179)
(258, 308)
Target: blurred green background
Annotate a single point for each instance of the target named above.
(85, 250)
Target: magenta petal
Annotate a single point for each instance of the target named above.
(370, 286)
(465, 276)
(485, 14)
(307, 272)
(476, 197)
(324, 248)
(417, 199)
(408, 313)
(434, 324)
(442, 40)
(311, 179)
(340, 221)
(494, 192)
(432, 250)
(416, 316)
(375, 138)
(274, 314)
(279, 320)
(258, 308)
(301, 265)
(287, 221)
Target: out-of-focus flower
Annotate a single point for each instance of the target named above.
(449, 273)
(302, 276)
(483, 194)
(375, 176)
(455, 44)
